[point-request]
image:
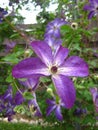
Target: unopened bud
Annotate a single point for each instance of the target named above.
(27, 53)
(50, 91)
(74, 25)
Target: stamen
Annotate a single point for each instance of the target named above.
(54, 69)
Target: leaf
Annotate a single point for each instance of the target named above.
(28, 95)
(11, 58)
(19, 109)
(14, 35)
(66, 29)
(9, 78)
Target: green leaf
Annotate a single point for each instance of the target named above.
(14, 35)
(65, 29)
(28, 95)
(9, 78)
(19, 109)
(11, 58)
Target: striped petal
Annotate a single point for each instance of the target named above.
(30, 67)
(60, 55)
(43, 51)
(74, 66)
(65, 89)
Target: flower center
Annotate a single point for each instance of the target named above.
(55, 28)
(54, 69)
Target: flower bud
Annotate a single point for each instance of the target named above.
(74, 25)
(50, 91)
(27, 53)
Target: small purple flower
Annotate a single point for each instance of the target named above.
(54, 65)
(8, 94)
(8, 102)
(32, 84)
(80, 111)
(9, 45)
(34, 107)
(18, 98)
(92, 7)
(53, 28)
(2, 13)
(56, 107)
(94, 92)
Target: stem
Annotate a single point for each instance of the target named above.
(17, 87)
(20, 33)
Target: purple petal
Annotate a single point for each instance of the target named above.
(50, 109)
(18, 99)
(29, 67)
(50, 102)
(58, 113)
(94, 94)
(93, 90)
(91, 14)
(31, 82)
(65, 89)
(43, 51)
(8, 94)
(54, 43)
(60, 55)
(74, 66)
(55, 33)
(88, 7)
(34, 102)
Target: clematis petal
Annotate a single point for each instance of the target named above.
(29, 67)
(91, 14)
(50, 102)
(54, 43)
(74, 66)
(31, 83)
(94, 93)
(60, 55)
(43, 51)
(93, 90)
(65, 89)
(33, 102)
(88, 7)
(50, 109)
(58, 113)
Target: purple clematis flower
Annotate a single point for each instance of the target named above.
(79, 111)
(55, 106)
(31, 84)
(2, 13)
(92, 7)
(52, 35)
(94, 92)
(54, 65)
(8, 102)
(53, 28)
(34, 107)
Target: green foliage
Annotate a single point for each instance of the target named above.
(81, 40)
(28, 95)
